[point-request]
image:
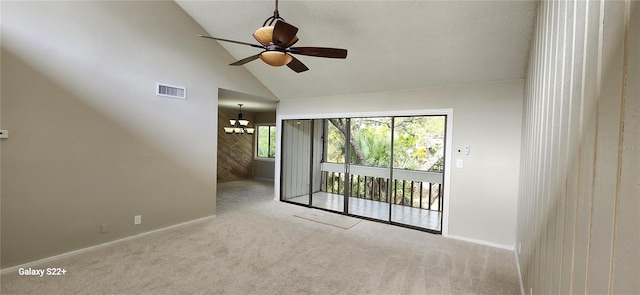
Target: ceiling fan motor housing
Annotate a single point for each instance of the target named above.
(273, 55)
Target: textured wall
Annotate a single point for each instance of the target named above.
(579, 204)
(235, 151)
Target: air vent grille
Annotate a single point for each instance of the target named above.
(172, 91)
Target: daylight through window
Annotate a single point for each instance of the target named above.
(266, 142)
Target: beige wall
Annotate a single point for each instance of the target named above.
(264, 169)
(579, 205)
(488, 117)
(266, 117)
(90, 142)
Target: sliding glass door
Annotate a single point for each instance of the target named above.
(369, 164)
(331, 169)
(388, 169)
(296, 161)
(418, 166)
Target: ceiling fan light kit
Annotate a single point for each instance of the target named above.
(276, 58)
(264, 35)
(277, 41)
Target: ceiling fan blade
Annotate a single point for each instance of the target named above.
(297, 65)
(283, 34)
(245, 60)
(320, 52)
(294, 41)
(232, 41)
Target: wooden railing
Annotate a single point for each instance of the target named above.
(418, 189)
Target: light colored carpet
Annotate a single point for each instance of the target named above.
(257, 246)
(337, 220)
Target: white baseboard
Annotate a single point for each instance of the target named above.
(519, 273)
(481, 242)
(76, 252)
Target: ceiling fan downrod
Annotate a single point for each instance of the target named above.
(271, 19)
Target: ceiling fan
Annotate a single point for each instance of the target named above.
(277, 41)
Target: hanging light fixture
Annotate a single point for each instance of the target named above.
(239, 125)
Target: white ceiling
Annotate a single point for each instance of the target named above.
(393, 45)
(251, 103)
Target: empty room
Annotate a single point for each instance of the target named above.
(320, 147)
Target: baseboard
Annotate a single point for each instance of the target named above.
(265, 179)
(76, 252)
(519, 273)
(481, 242)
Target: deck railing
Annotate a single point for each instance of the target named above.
(418, 189)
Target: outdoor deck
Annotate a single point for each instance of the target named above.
(423, 218)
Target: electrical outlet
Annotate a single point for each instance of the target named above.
(137, 219)
(104, 228)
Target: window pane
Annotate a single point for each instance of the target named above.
(272, 142)
(371, 141)
(335, 141)
(263, 141)
(419, 143)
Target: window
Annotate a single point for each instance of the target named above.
(266, 143)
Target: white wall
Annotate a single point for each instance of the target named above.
(90, 142)
(579, 204)
(488, 117)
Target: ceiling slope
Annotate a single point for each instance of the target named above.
(393, 45)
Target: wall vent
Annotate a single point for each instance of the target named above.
(163, 89)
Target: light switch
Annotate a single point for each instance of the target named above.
(4, 133)
(459, 163)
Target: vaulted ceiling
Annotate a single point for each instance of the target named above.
(393, 45)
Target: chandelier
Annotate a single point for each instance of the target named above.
(239, 125)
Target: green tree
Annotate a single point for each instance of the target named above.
(266, 141)
(418, 142)
(418, 145)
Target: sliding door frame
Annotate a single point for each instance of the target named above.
(347, 167)
(448, 113)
